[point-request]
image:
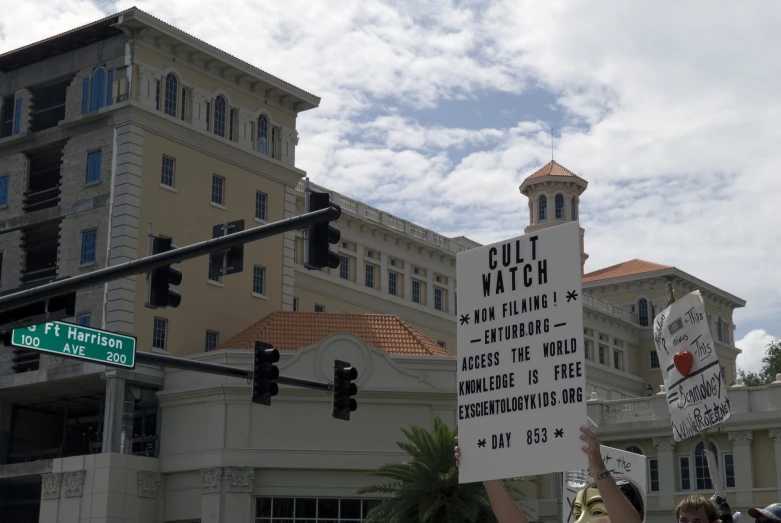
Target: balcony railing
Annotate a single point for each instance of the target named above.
(609, 308)
(392, 222)
(628, 410)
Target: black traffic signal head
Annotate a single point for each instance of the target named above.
(343, 404)
(160, 295)
(322, 235)
(264, 373)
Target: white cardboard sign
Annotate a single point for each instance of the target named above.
(620, 463)
(521, 368)
(696, 393)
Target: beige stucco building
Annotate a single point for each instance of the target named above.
(129, 126)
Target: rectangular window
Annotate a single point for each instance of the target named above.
(654, 360)
(259, 280)
(686, 482)
(438, 299)
(212, 338)
(587, 349)
(729, 471)
(208, 116)
(603, 354)
(416, 291)
(319, 308)
(84, 320)
(261, 200)
(295, 304)
(442, 344)
(311, 510)
(344, 267)
(230, 128)
(618, 359)
(159, 333)
(653, 475)
(392, 277)
(3, 191)
(167, 174)
(89, 241)
(157, 95)
(370, 275)
(274, 139)
(18, 116)
(218, 190)
(85, 96)
(94, 160)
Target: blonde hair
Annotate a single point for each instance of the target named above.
(694, 503)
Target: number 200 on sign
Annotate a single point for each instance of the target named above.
(114, 357)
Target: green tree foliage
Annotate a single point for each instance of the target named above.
(426, 489)
(771, 366)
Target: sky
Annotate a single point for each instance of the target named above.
(436, 111)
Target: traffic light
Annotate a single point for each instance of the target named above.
(160, 295)
(343, 404)
(321, 235)
(229, 261)
(264, 373)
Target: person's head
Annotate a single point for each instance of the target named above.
(696, 509)
(771, 513)
(589, 508)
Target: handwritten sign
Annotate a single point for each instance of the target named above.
(620, 463)
(696, 395)
(521, 371)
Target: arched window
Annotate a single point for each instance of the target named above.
(171, 91)
(634, 449)
(543, 208)
(642, 312)
(701, 472)
(559, 202)
(263, 134)
(574, 209)
(219, 116)
(98, 98)
(719, 330)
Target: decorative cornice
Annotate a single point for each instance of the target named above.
(239, 479)
(775, 435)
(148, 482)
(50, 485)
(73, 483)
(211, 479)
(664, 444)
(741, 438)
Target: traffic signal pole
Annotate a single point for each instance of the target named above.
(149, 358)
(143, 265)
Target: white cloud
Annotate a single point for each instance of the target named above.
(672, 115)
(753, 345)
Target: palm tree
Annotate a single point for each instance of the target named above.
(426, 489)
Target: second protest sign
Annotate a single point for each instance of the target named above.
(521, 368)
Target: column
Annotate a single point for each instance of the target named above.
(665, 454)
(775, 435)
(383, 272)
(211, 504)
(407, 280)
(741, 458)
(5, 431)
(360, 266)
(50, 496)
(238, 494)
(118, 416)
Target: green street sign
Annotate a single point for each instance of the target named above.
(75, 341)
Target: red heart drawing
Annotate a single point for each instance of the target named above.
(683, 362)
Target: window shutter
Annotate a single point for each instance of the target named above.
(110, 90)
(18, 116)
(85, 96)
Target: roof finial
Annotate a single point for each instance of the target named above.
(551, 144)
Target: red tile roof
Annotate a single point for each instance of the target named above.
(552, 169)
(627, 268)
(286, 330)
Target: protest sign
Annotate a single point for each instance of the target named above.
(521, 368)
(693, 380)
(620, 463)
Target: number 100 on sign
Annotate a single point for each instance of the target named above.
(75, 341)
